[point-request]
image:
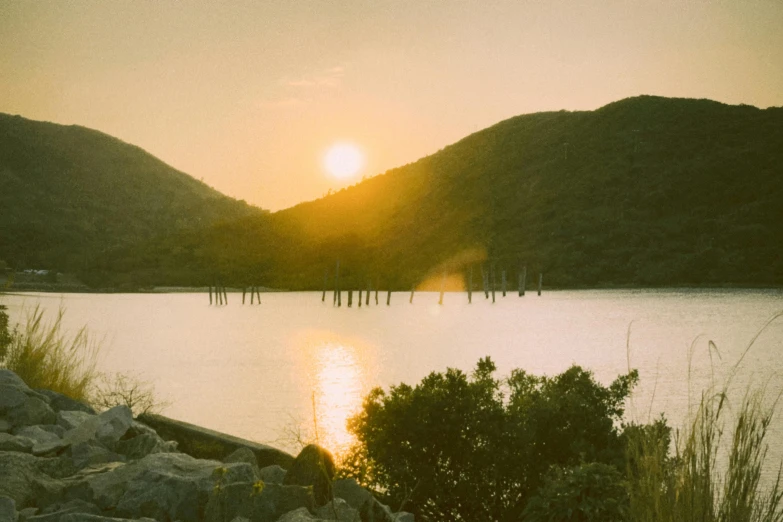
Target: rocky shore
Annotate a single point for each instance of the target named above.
(62, 461)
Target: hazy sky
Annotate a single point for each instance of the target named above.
(248, 96)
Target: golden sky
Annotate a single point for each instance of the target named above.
(249, 95)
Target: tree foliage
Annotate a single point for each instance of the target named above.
(459, 447)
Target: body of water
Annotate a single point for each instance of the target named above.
(264, 372)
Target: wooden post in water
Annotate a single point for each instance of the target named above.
(485, 282)
(442, 285)
(258, 295)
(225, 295)
(336, 300)
(210, 295)
(470, 285)
(252, 293)
(326, 280)
(503, 278)
(522, 281)
(244, 291)
(540, 281)
(219, 294)
(492, 272)
(360, 298)
(413, 289)
(376, 295)
(350, 298)
(388, 297)
(368, 294)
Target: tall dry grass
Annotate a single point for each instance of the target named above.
(44, 356)
(716, 471)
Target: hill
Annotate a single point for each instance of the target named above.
(68, 194)
(646, 191)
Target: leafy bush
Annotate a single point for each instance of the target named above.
(589, 492)
(476, 448)
(127, 390)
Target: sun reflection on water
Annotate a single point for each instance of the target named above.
(339, 377)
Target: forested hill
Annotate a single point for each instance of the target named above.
(69, 193)
(647, 191)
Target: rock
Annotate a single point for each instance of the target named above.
(26, 513)
(55, 512)
(299, 515)
(15, 443)
(5, 426)
(37, 434)
(69, 420)
(144, 444)
(11, 397)
(85, 517)
(20, 475)
(10, 378)
(272, 475)
(240, 519)
(338, 509)
(33, 411)
(247, 456)
(60, 402)
(404, 516)
(8, 510)
(362, 500)
(256, 501)
(52, 448)
(89, 454)
(314, 467)
(107, 428)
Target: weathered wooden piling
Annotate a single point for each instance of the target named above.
(503, 283)
(244, 291)
(225, 295)
(258, 295)
(540, 282)
(522, 280)
(388, 297)
(470, 286)
(368, 295)
(326, 281)
(252, 293)
(485, 282)
(220, 295)
(442, 285)
(413, 289)
(492, 274)
(337, 284)
(360, 298)
(376, 295)
(350, 298)
(210, 295)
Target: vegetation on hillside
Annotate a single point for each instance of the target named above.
(68, 194)
(646, 191)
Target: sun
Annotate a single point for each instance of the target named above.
(343, 160)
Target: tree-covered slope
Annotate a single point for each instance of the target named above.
(68, 193)
(646, 191)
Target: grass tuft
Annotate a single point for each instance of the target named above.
(45, 357)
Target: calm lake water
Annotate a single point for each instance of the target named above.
(260, 372)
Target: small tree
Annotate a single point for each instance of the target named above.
(476, 448)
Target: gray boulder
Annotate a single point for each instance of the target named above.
(26, 513)
(314, 466)
(15, 443)
(86, 517)
(370, 510)
(60, 402)
(272, 475)
(5, 426)
(144, 444)
(55, 512)
(299, 515)
(69, 420)
(256, 501)
(22, 476)
(106, 428)
(37, 434)
(8, 510)
(9, 377)
(247, 456)
(338, 509)
(89, 454)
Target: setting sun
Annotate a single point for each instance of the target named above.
(343, 160)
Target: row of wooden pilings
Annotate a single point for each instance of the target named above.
(221, 297)
(489, 286)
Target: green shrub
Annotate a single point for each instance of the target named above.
(476, 448)
(584, 493)
(45, 357)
